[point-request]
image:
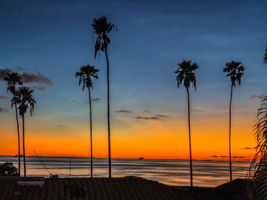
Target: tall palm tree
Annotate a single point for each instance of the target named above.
(13, 80)
(102, 28)
(27, 102)
(234, 70)
(265, 56)
(186, 75)
(85, 76)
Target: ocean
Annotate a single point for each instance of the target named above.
(171, 172)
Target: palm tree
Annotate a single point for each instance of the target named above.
(27, 101)
(265, 55)
(234, 70)
(85, 76)
(13, 80)
(258, 169)
(102, 28)
(186, 75)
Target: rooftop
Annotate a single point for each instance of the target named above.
(128, 188)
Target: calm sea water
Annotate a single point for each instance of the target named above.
(172, 172)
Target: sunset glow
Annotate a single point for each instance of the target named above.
(148, 111)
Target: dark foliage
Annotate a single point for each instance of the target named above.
(7, 169)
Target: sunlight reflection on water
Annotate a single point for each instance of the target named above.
(172, 172)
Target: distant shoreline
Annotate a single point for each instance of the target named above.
(225, 160)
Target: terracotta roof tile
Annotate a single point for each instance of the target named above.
(130, 188)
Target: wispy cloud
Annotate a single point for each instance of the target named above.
(162, 116)
(148, 118)
(154, 117)
(215, 156)
(35, 80)
(259, 97)
(3, 73)
(247, 148)
(123, 111)
(238, 157)
(96, 100)
(3, 97)
(3, 110)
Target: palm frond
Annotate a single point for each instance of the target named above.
(186, 73)
(258, 166)
(86, 74)
(13, 80)
(234, 70)
(102, 28)
(26, 101)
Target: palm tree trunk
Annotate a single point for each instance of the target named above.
(17, 121)
(189, 132)
(23, 142)
(230, 132)
(91, 130)
(108, 115)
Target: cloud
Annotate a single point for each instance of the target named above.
(3, 110)
(123, 111)
(61, 126)
(259, 97)
(238, 157)
(162, 116)
(155, 117)
(3, 97)
(215, 156)
(18, 68)
(3, 73)
(249, 148)
(35, 80)
(96, 100)
(148, 118)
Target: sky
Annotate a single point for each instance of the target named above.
(48, 41)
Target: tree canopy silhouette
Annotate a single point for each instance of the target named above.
(234, 70)
(186, 75)
(85, 76)
(102, 28)
(265, 56)
(27, 102)
(258, 166)
(13, 81)
(7, 169)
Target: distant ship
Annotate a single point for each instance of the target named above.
(141, 158)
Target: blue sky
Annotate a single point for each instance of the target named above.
(55, 38)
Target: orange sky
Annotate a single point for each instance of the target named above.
(166, 139)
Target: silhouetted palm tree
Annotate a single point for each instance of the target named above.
(186, 75)
(13, 80)
(265, 55)
(85, 76)
(234, 70)
(27, 102)
(258, 167)
(102, 28)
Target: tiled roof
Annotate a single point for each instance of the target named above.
(129, 188)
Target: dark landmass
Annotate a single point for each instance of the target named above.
(128, 188)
